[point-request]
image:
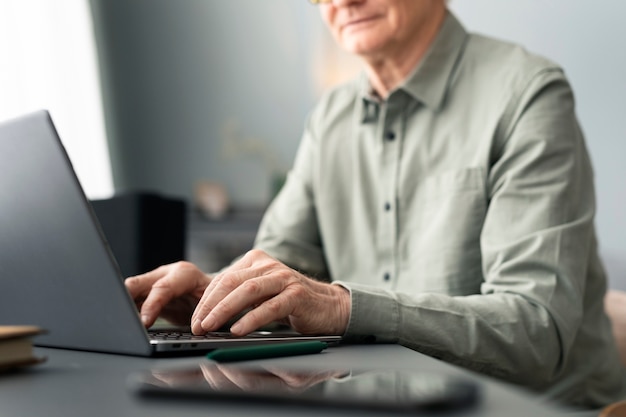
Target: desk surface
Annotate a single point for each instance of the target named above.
(73, 383)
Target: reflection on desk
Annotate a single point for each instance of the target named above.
(384, 390)
(73, 383)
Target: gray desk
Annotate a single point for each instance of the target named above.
(74, 383)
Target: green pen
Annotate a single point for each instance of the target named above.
(244, 353)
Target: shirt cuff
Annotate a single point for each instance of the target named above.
(374, 316)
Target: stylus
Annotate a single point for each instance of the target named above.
(244, 353)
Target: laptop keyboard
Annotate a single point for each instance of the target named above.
(169, 335)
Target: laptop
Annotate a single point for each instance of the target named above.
(56, 268)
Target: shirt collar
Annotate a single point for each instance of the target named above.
(429, 81)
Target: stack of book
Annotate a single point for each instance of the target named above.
(16, 348)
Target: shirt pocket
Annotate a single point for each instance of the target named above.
(440, 234)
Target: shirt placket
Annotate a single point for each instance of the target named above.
(390, 136)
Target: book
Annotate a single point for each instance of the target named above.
(16, 347)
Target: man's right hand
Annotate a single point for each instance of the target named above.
(171, 291)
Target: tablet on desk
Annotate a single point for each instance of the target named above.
(385, 390)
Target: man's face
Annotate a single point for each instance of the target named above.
(377, 27)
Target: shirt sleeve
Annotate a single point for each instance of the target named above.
(535, 246)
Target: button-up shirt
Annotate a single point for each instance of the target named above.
(458, 212)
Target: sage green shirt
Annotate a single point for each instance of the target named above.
(459, 213)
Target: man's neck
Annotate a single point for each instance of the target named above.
(387, 71)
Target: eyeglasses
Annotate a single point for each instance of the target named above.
(320, 1)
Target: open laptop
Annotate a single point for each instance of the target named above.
(56, 268)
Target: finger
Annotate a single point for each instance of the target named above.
(219, 289)
(275, 308)
(227, 303)
(179, 279)
(254, 263)
(201, 309)
(139, 285)
(238, 267)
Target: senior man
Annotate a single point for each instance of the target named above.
(443, 200)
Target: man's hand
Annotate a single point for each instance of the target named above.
(171, 291)
(274, 292)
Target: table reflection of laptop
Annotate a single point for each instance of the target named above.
(56, 268)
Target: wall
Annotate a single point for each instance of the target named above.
(182, 79)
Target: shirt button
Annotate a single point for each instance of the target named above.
(387, 206)
(386, 277)
(390, 136)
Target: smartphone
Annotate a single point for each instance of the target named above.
(388, 389)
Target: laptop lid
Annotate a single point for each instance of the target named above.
(56, 268)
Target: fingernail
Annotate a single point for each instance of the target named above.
(145, 319)
(208, 323)
(235, 328)
(196, 324)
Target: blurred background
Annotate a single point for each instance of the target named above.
(164, 96)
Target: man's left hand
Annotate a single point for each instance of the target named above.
(274, 292)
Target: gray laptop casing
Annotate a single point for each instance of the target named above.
(56, 269)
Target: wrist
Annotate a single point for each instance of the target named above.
(344, 307)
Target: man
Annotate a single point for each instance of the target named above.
(447, 195)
